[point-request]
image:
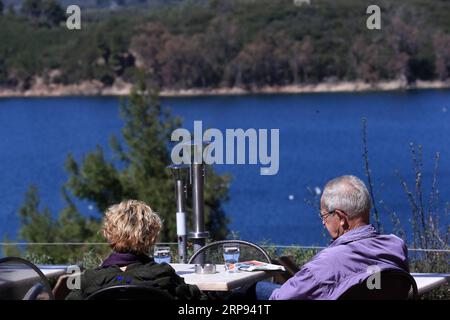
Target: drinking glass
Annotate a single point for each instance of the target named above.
(161, 254)
(231, 256)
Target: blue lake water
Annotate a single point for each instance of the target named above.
(320, 138)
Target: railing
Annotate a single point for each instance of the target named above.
(274, 248)
(266, 246)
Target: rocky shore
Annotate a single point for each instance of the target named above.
(121, 88)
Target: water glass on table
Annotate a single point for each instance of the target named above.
(231, 256)
(161, 254)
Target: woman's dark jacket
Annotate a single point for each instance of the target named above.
(141, 270)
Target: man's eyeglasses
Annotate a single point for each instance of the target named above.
(324, 216)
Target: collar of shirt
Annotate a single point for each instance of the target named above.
(363, 232)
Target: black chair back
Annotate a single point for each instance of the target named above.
(130, 292)
(394, 285)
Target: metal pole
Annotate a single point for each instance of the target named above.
(181, 221)
(199, 234)
(197, 197)
(180, 174)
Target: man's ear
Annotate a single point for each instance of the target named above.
(344, 223)
(342, 219)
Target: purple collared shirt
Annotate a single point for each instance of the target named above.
(346, 262)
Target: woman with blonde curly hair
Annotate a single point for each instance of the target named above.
(131, 226)
(131, 229)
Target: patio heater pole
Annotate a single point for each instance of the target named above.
(180, 174)
(198, 235)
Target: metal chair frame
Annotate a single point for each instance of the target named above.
(36, 289)
(222, 242)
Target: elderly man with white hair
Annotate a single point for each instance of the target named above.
(356, 248)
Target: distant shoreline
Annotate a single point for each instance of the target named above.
(120, 88)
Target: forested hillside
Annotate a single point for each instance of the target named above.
(228, 43)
